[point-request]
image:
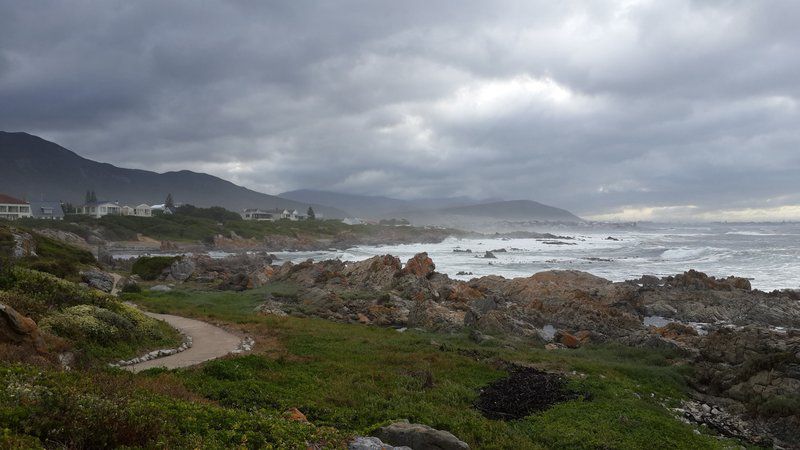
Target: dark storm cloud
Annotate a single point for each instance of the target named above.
(596, 106)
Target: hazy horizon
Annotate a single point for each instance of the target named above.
(614, 110)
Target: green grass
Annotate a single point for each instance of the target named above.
(356, 378)
(115, 409)
(220, 305)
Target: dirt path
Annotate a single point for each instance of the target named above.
(115, 287)
(208, 342)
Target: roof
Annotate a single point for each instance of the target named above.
(9, 200)
(46, 209)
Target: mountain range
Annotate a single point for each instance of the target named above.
(35, 168)
(38, 169)
(373, 205)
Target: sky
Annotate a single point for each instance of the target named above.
(615, 110)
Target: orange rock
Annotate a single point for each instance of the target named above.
(363, 318)
(420, 265)
(569, 340)
(584, 336)
(296, 415)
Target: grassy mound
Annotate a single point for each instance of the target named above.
(36, 294)
(98, 325)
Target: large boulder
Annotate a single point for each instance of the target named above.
(97, 279)
(419, 437)
(181, 270)
(19, 330)
(378, 272)
(372, 443)
(421, 265)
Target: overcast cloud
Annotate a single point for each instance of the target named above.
(632, 109)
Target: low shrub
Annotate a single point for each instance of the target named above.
(151, 267)
(46, 292)
(131, 288)
(89, 324)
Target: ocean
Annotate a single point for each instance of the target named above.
(767, 254)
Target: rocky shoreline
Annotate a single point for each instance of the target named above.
(743, 344)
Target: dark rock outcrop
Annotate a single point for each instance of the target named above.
(97, 279)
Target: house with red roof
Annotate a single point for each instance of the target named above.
(13, 208)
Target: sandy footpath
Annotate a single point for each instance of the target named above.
(208, 342)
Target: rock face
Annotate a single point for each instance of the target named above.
(19, 330)
(181, 270)
(97, 279)
(695, 297)
(24, 245)
(237, 272)
(573, 302)
(759, 369)
(419, 437)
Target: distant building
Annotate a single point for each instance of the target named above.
(13, 208)
(272, 214)
(262, 215)
(352, 221)
(137, 211)
(47, 210)
(143, 210)
(100, 209)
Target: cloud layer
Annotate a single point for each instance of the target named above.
(614, 108)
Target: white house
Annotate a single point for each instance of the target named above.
(143, 211)
(261, 215)
(13, 208)
(272, 214)
(352, 221)
(100, 209)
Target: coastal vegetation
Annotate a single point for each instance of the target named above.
(309, 382)
(191, 224)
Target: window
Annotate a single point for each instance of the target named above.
(24, 209)
(13, 209)
(3, 208)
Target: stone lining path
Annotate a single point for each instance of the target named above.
(208, 342)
